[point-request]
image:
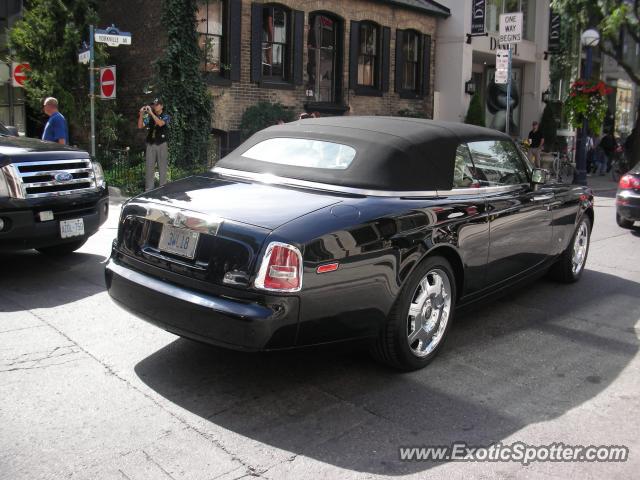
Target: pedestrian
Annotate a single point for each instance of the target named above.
(536, 142)
(600, 160)
(608, 143)
(56, 128)
(156, 121)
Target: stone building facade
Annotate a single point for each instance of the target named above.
(335, 57)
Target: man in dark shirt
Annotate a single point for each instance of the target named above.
(156, 121)
(536, 142)
(56, 128)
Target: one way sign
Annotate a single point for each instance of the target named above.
(510, 28)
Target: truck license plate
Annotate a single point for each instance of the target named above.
(72, 228)
(178, 241)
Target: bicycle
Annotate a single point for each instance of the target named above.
(563, 169)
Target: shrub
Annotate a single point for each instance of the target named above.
(406, 112)
(475, 113)
(263, 115)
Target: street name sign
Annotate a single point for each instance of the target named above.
(510, 28)
(84, 56)
(112, 37)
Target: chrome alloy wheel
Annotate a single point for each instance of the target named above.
(429, 312)
(580, 245)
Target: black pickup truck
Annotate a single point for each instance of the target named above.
(52, 197)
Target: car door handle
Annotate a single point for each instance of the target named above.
(542, 198)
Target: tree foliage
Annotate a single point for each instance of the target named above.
(475, 113)
(49, 37)
(617, 21)
(182, 87)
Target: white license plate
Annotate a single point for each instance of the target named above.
(178, 241)
(72, 228)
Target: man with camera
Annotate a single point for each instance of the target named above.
(156, 121)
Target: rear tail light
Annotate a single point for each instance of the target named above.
(629, 181)
(281, 269)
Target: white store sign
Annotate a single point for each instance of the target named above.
(510, 28)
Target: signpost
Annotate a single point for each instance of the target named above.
(510, 32)
(19, 73)
(112, 37)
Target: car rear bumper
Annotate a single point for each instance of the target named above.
(22, 229)
(628, 205)
(221, 321)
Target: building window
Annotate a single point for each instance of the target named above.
(411, 72)
(323, 48)
(211, 35)
(275, 40)
(368, 55)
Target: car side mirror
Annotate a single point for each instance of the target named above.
(539, 176)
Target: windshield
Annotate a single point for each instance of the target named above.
(301, 152)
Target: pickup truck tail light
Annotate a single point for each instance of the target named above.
(281, 269)
(629, 181)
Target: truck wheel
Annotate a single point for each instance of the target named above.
(418, 323)
(63, 248)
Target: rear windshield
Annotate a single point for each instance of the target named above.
(301, 152)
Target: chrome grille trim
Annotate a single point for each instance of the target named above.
(27, 171)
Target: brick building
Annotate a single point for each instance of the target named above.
(358, 57)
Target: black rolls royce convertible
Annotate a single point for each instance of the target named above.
(332, 229)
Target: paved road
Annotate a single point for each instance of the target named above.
(88, 391)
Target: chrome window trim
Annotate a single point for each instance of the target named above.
(286, 181)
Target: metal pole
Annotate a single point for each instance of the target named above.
(508, 119)
(92, 87)
(581, 157)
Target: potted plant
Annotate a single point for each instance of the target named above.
(587, 100)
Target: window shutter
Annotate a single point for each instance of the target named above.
(386, 53)
(354, 45)
(298, 45)
(233, 37)
(399, 60)
(426, 64)
(256, 42)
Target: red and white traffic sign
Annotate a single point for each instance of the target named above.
(108, 83)
(19, 73)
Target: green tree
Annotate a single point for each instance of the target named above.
(181, 84)
(475, 113)
(48, 37)
(617, 21)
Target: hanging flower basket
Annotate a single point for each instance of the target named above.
(587, 100)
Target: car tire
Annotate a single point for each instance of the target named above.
(419, 303)
(62, 249)
(569, 267)
(622, 222)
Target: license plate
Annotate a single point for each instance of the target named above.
(72, 228)
(178, 241)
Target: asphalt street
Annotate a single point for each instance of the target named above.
(88, 391)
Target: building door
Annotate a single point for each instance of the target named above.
(323, 48)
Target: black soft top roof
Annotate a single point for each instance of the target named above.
(392, 153)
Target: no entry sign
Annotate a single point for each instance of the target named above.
(19, 73)
(108, 83)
